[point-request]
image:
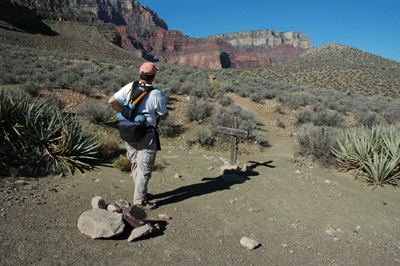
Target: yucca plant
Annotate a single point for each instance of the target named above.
(9, 105)
(375, 152)
(76, 149)
(42, 140)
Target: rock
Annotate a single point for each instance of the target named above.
(164, 217)
(134, 216)
(98, 203)
(330, 231)
(298, 172)
(122, 203)
(249, 243)
(331, 182)
(142, 231)
(177, 176)
(99, 223)
(248, 169)
(383, 203)
(210, 168)
(113, 208)
(227, 168)
(256, 209)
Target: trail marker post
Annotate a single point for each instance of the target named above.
(234, 132)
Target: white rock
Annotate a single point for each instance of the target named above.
(230, 169)
(99, 223)
(142, 231)
(249, 243)
(164, 217)
(113, 208)
(122, 203)
(98, 203)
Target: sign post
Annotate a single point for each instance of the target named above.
(234, 132)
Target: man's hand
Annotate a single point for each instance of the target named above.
(114, 104)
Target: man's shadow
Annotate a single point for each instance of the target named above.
(210, 185)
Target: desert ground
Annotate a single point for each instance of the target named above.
(299, 213)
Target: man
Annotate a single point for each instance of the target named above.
(143, 153)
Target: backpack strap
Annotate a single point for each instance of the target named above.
(138, 92)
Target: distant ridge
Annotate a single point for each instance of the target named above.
(340, 68)
(264, 39)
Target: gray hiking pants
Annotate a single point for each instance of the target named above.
(143, 156)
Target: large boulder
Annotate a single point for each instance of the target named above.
(99, 223)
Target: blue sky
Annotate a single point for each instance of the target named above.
(371, 26)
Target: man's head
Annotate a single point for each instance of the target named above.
(148, 72)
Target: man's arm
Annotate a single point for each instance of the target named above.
(114, 104)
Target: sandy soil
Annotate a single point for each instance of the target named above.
(300, 214)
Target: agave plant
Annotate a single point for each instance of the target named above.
(9, 107)
(373, 152)
(42, 140)
(76, 148)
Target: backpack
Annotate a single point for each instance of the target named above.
(133, 129)
(136, 95)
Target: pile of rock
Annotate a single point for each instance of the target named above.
(109, 220)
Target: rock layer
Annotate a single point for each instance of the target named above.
(141, 31)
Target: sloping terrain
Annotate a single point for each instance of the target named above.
(340, 68)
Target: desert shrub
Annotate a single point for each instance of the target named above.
(256, 97)
(198, 109)
(279, 123)
(204, 137)
(279, 109)
(53, 101)
(82, 88)
(327, 118)
(123, 164)
(317, 142)
(31, 88)
(365, 117)
(391, 114)
(225, 100)
(97, 113)
(108, 145)
(168, 128)
(303, 116)
(374, 152)
(224, 116)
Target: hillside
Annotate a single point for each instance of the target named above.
(339, 68)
